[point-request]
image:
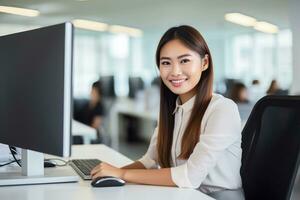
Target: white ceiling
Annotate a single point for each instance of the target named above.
(151, 14)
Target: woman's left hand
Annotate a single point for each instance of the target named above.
(105, 169)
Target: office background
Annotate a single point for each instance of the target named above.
(236, 50)
(239, 53)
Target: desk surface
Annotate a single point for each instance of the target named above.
(83, 190)
(88, 133)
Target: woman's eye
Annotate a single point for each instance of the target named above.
(185, 61)
(165, 63)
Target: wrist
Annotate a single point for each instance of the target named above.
(122, 174)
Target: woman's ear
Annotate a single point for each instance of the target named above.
(205, 62)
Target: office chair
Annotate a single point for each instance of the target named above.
(135, 84)
(271, 148)
(78, 104)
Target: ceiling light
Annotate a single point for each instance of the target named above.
(134, 32)
(19, 11)
(90, 25)
(266, 27)
(240, 19)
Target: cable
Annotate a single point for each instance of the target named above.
(8, 163)
(13, 152)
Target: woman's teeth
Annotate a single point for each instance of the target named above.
(177, 81)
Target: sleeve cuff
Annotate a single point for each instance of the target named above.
(180, 176)
(147, 162)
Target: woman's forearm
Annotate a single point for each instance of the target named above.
(134, 165)
(135, 173)
(149, 176)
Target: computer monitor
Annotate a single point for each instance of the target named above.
(135, 84)
(107, 85)
(36, 100)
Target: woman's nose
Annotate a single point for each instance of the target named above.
(176, 70)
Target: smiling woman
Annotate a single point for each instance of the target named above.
(179, 68)
(188, 56)
(197, 141)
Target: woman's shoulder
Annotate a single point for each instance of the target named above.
(222, 107)
(219, 100)
(220, 104)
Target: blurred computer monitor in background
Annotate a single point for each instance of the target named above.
(107, 85)
(135, 84)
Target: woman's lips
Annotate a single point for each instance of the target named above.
(177, 82)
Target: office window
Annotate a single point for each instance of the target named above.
(119, 57)
(242, 51)
(86, 64)
(284, 58)
(101, 54)
(264, 58)
(260, 56)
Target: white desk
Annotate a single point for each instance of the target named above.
(82, 189)
(125, 106)
(88, 133)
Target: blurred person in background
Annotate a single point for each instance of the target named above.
(239, 93)
(91, 112)
(274, 88)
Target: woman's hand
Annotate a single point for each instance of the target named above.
(104, 169)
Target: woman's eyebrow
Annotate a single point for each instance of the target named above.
(184, 55)
(165, 58)
(178, 57)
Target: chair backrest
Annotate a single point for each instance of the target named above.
(271, 146)
(78, 105)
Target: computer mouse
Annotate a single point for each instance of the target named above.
(107, 181)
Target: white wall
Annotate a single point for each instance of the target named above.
(294, 6)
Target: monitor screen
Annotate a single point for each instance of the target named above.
(36, 89)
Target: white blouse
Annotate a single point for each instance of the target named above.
(216, 160)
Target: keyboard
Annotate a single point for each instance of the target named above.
(84, 166)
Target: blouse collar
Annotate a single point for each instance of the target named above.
(187, 106)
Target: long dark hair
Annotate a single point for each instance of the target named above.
(190, 37)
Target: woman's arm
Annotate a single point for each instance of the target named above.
(96, 123)
(149, 176)
(142, 176)
(134, 165)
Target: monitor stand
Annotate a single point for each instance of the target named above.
(33, 172)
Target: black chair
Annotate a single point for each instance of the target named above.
(271, 148)
(78, 104)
